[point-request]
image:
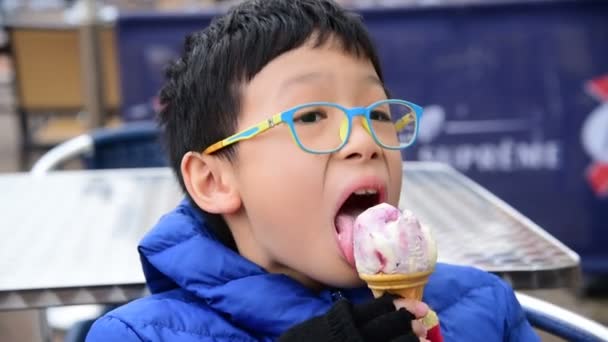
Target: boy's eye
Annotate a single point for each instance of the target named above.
(379, 115)
(311, 116)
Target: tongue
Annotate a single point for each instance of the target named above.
(345, 224)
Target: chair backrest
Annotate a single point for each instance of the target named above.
(132, 145)
(129, 146)
(561, 322)
(49, 70)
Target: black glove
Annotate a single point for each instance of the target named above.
(376, 321)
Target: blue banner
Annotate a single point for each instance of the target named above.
(515, 96)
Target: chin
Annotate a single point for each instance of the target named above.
(345, 279)
(335, 273)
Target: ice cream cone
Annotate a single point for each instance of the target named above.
(409, 286)
(390, 248)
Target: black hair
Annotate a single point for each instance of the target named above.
(201, 98)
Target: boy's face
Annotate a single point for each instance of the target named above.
(291, 198)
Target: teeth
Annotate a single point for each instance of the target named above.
(366, 192)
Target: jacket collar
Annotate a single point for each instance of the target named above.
(180, 252)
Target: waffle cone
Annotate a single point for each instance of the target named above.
(409, 286)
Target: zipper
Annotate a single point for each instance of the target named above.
(336, 295)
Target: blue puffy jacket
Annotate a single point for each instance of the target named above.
(203, 291)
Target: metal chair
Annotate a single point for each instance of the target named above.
(560, 322)
(129, 146)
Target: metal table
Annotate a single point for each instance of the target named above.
(70, 237)
(473, 227)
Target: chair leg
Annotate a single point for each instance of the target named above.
(46, 333)
(25, 142)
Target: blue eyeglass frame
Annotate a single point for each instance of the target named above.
(287, 118)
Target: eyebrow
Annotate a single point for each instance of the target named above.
(316, 75)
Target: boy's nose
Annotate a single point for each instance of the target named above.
(360, 144)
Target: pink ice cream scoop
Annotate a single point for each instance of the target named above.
(389, 241)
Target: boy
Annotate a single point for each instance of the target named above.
(261, 247)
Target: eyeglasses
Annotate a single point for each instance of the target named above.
(324, 127)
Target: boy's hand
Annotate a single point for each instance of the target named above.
(386, 324)
(383, 319)
(419, 310)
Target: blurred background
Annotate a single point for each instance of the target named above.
(515, 96)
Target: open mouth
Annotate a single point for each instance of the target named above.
(356, 203)
(359, 201)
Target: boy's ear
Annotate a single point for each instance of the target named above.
(210, 182)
